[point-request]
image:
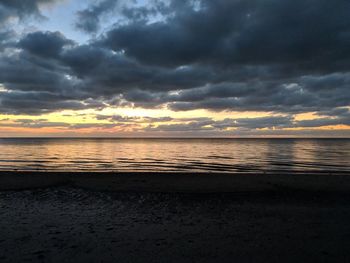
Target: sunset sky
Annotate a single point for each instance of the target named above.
(196, 68)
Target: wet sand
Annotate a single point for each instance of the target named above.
(173, 217)
(178, 182)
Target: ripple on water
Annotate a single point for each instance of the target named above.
(224, 155)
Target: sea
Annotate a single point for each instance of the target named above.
(175, 154)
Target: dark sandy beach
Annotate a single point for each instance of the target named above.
(173, 217)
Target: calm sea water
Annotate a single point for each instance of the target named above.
(227, 155)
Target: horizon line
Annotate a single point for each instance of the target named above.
(170, 137)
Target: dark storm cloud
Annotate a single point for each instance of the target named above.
(27, 65)
(297, 96)
(33, 87)
(6, 38)
(284, 57)
(88, 20)
(242, 32)
(44, 44)
(35, 103)
(21, 8)
(34, 79)
(108, 73)
(36, 85)
(291, 49)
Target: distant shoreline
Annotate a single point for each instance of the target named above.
(179, 182)
(186, 138)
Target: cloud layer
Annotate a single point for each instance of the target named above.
(283, 57)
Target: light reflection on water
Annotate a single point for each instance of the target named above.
(224, 155)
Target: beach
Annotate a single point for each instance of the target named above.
(174, 217)
(167, 131)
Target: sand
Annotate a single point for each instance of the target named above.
(105, 217)
(173, 182)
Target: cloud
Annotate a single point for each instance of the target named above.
(283, 57)
(128, 119)
(44, 44)
(21, 9)
(339, 116)
(223, 32)
(43, 123)
(36, 103)
(117, 118)
(208, 124)
(203, 125)
(6, 38)
(88, 20)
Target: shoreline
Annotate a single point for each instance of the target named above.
(178, 182)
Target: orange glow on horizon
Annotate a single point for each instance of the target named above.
(71, 123)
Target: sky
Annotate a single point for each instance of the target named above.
(175, 68)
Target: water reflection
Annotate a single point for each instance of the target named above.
(281, 154)
(228, 155)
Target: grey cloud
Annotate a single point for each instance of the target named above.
(158, 119)
(24, 76)
(21, 9)
(337, 112)
(251, 124)
(179, 127)
(339, 116)
(300, 95)
(284, 57)
(42, 123)
(127, 119)
(30, 123)
(92, 125)
(6, 38)
(35, 84)
(35, 103)
(44, 44)
(117, 118)
(263, 122)
(207, 124)
(309, 33)
(88, 20)
(107, 73)
(323, 122)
